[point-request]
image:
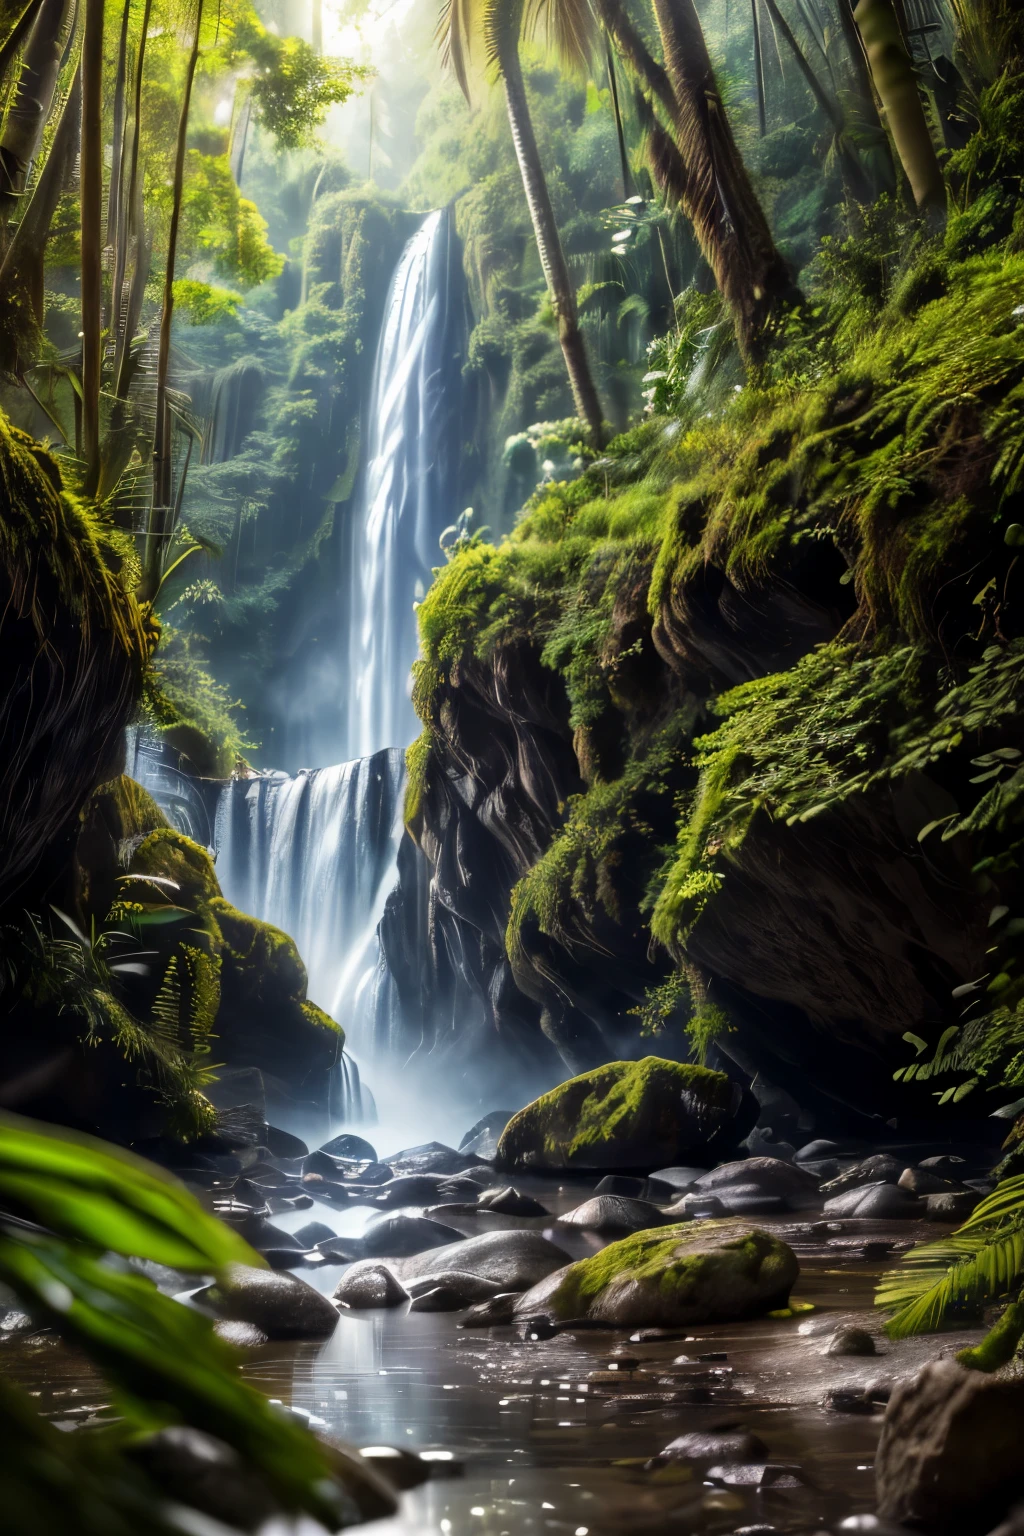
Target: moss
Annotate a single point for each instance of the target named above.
(171, 855)
(624, 1114)
(678, 1270)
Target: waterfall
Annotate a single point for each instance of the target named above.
(411, 481)
(316, 855)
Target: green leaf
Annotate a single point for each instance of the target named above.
(916, 1041)
(87, 1192)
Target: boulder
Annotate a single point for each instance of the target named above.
(352, 1148)
(470, 1287)
(696, 1207)
(510, 1202)
(851, 1341)
(369, 1285)
(388, 1237)
(755, 1178)
(623, 1184)
(614, 1213)
(623, 1116)
(440, 1298)
(514, 1260)
(949, 1457)
(816, 1151)
(431, 1157)
(283, 1306)
(283, 1143)
(922, 1181)
(729, 1445)
(341, 1250)
(481, 1140)
(881, 1202)
(680, 1179)
(411, 1189)
(957, 1205)
(946, 1165)
(196, 1469)
(880, 1168)
(313, 1234)
(715, 1272)
(495, 1313)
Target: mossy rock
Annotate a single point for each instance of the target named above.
(171, 855)
(670, 1277)
(625, 1115)
(265, 1017)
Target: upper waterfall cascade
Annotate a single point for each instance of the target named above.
(411, 482)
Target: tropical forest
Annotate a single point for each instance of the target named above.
(512, 767)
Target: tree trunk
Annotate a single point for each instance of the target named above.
(762, 115)
(117, 140)
(28, 112)
(131, 224)
(92, 238)
(721, 203)
(23, 262)
(161, 517)
(549, 244)
(896, 82)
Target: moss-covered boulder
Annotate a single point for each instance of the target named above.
(625, 1115)
(670, 1277)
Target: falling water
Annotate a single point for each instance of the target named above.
(316, 855)
(411, 481)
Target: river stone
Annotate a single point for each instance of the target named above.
(389, 1237)
(680, 1179)
(711, 1446)
(370, 1285)
(264, 1236)
(411, 1189)
(510, 1202)
(493, 1313)
(761, 1177)
(430, 1157)
(341, 1250)
(851, 1341)
(718, 1272)
(515, 1260)
(624, 1184)
(881, 1202)
(949, 1457)
(922, 1181)
(470, 1287)
(282, 1305)
(481, 1140)
(241, 1335)
(946, 1165)
(202, 1472)
(351, 1148)
(880, 1168)
(816, 1151)
(613, 1213)
(695, 1207)
(955, 1205)
(314, 1233)
(440, 1298)
(623, 1116)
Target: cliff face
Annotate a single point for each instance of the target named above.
(73, 648)
(723, 741)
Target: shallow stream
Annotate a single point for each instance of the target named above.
(556, 1435)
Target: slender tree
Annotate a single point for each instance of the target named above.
(130, 225)
(23, 260)
(716, 191)
(762, 115)
(502, 24)
(162, 510)
(33, 97)
(92, 238)
(117, 138)
(893, 73)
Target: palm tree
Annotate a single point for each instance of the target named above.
(895, 78)
(502, 24)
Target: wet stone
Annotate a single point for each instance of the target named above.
(510, 1202)
(341, 1250)
(352, 1148)
(880, 1168)
(851, 1341)
(441, 1298)
(614, 1213)
(847, 1400)
(241, 1335)
(880, 1202)
(366, 1286)
(314, 1232)
(716, 1446)
(493, 1313)
(756, 1474)
(956, 1205)
(293, 1258)
(401, 1236)
(284, 1144)
(431, 1157)
(284, 1306)
(925, 1181)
